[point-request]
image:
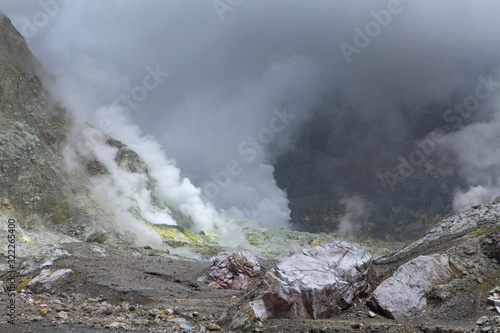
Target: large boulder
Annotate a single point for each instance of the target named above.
(233, 270)
(400, 295)
(314, 283)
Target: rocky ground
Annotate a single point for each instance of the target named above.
(136, 289)
(120, 287)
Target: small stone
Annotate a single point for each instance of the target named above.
(183, 323)
(45, 311)
(46, 279)
(99, 237)
(314, 243)
(186, 326)
(470, 251)
(131, 308)
(63, 315)
(153, 313)
(481, 321)
(196, 314)
(382, 250)
(371, 314)
(169, 312)
(212, 327)
(117, 325)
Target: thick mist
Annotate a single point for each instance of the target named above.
(227, 88)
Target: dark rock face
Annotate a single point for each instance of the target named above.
(233, 270)
(96, 168)
(315, 283)
(490, 245)
(131, 160)
(339, 152)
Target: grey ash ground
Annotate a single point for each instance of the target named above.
(146, 290)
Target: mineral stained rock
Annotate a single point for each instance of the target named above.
(314, 283)
(47, 279)
(233, 270)
(399, 296)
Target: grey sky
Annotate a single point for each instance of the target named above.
(227, 76)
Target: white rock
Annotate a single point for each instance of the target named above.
(481, 321)
(314, 283)
(399, 295)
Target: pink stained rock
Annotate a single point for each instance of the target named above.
(399, 295)
(314, 283)
(233, 270)
(62, 315)
(46, 279)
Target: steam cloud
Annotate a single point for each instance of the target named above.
(356, 212)
(477, 150)
(214, 112)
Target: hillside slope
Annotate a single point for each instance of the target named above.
(35, 184)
